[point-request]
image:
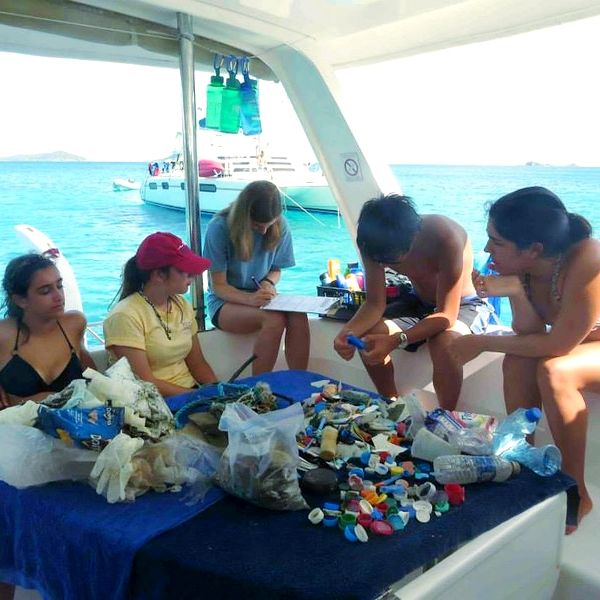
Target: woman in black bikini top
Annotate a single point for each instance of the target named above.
(47, 353)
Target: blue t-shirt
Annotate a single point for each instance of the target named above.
(219, 249)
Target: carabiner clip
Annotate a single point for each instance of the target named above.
(217, 63)
(231, 64)
(244, 64)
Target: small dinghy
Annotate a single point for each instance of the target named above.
(126, 185)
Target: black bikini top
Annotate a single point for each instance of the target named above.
(19, 378)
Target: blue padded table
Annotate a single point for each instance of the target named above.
(236, 550)
(231, 549)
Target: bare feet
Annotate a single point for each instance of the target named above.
(498, 285)
(585, 506)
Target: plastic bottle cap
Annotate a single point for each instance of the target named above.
(382, 469)
(533, 414)
(422, 505)
(366, 507)
(361, 533)
(423, 516)
(381, 528)
(349, 534)
(396, 522)
(216, 79)
(315, 516)
(330, 521)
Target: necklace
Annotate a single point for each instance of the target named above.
(164, 325)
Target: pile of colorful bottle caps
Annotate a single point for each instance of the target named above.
(380, 490)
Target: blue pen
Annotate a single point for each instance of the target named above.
(256, 283)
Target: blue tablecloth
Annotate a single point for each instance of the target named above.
(233, 549)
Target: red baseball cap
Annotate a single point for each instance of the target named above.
(162, 249)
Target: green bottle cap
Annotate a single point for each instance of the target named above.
(216, 80)
(232, 82)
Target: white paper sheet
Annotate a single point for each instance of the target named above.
(297, 303)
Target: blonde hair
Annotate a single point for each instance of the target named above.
(259, 202)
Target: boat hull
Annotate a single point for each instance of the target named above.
(217, 193)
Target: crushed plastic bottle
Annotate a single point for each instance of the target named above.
(475, 440)
(514, 428)
(544, 461)
(471, 469)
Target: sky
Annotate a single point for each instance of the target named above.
(531, 97)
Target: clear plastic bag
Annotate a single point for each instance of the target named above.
(29, 457)
(260, 462)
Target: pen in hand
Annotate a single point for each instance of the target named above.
(256, 283)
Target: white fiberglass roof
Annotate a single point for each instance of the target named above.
(340, 32)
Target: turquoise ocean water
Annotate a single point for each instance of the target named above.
(98, 229)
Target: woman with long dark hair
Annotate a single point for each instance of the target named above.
(549, 268)
(41, 345)
(152, 325)
(249, 243)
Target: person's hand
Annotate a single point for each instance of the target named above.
(4, 400)
(377, 348)
(266, 285)
(262, 296)
(467, 347)
(342, 347)
(498, 285)
(475, 274)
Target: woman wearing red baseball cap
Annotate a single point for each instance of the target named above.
(152, 325)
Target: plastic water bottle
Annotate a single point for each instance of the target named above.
(214, 99)
(471, 469)
(249, 109)
(230, 106)
(473, 440)
(544, 461)
(514, 428)
(482, 262)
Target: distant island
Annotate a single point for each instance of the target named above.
(57, 156)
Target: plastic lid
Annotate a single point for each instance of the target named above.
(216, 79)
(533, 414)
(232, 82)
(516, 467)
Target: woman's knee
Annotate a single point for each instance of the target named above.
(555, 374)
(273, 321)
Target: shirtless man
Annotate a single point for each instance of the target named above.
(434, 252)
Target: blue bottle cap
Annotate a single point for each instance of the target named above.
(364, 457)
(329, 521)
(357, 471)
(349, 533)
(533, 414)
(356, 342)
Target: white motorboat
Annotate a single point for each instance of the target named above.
(301, 43)
(126, 185)
(221, 179)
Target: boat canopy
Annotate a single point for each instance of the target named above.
(92, 30)
(342, 32)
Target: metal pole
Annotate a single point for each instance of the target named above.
(190, 157)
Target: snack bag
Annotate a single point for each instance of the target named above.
(90, 428)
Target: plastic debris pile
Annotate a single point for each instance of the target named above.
(114, 430)
(382, 453)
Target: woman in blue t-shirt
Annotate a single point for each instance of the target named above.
(249, 243)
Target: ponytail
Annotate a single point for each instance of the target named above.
(579, 228)
(536, 215)
(133, 279)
